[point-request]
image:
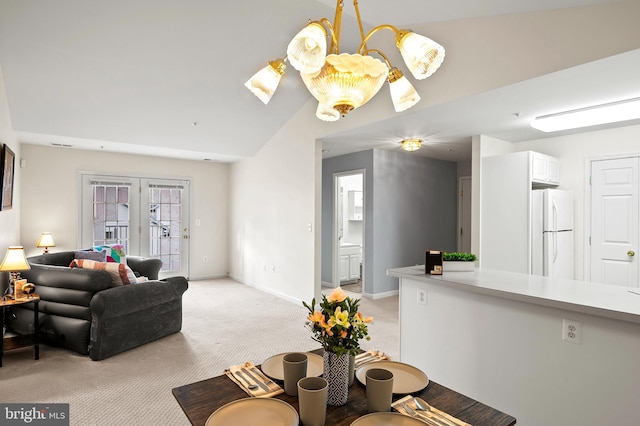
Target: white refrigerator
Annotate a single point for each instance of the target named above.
(552, 233)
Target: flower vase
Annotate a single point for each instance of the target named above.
(336, 372)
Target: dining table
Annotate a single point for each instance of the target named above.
(200, 399)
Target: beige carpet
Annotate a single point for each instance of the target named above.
(225, 323)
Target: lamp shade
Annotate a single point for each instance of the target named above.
(422, 55)
(327, 113)
(264, 83)
(403, 94)
(14, 260)
(346, 81)
(45, 240)
(308, 49)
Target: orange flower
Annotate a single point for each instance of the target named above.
(337, 295)
(343, 334)
(316, 317)
(365, 320)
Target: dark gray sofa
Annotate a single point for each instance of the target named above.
(82, 310)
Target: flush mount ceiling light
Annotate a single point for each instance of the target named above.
(342, 82)
(591, 116)
(411, 144)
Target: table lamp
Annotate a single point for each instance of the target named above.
(46, 241)
(14, 262)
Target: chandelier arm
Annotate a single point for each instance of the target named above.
(337, 26)
(335, 35)
(362, 49)
(381, 54)
(355, 6)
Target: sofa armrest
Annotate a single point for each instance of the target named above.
(146, 266)
(122, 300)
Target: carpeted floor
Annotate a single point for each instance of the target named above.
(224, 323)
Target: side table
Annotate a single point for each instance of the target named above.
(21, 341)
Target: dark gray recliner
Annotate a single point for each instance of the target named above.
(81, 309)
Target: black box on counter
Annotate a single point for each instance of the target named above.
(433, 262)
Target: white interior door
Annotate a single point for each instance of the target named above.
(615, 231)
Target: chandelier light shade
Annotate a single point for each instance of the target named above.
(403, 94)
(343, 82)
(346, 81)
(307, 50)
(422, 55)
(411, 144)
(45, 241)
(326, 113)
(265, 82)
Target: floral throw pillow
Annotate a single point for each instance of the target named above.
(115, 252)
(120, 273)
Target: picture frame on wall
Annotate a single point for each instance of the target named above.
(6, 177)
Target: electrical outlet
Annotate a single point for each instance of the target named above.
(572, 331)
(205, 259)
(422, 296)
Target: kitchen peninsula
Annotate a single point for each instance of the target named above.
(549, 351)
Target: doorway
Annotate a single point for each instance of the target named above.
(464, 214)
(149, 217)
(348, 226)
(614, 231)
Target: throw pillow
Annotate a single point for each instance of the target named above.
(120, 273)
(98, 256)
(114, 252)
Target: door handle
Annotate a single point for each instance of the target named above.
(631, 253)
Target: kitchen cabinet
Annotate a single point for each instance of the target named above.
(349, 262)
(545, 169)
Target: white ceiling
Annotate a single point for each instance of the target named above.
(166, 78)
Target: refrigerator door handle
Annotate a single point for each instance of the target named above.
(554, 209)
(555, 246)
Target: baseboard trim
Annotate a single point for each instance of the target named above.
(268, 290)
(381, 295)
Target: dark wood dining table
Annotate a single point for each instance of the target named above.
(199, 400)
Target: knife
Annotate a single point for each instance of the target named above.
(258, 381)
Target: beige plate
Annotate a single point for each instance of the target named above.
(382, 419)
(272, 367)
(244, 412)
(406, 378)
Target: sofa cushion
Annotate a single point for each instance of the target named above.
(115, 252)
(120, 273)
(98, 256)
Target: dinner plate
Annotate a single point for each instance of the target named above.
(406, 378)
(244, 412)
(383, 419)
(272, 367)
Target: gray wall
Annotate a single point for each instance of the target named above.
(410, 206)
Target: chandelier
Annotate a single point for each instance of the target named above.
(342, 82)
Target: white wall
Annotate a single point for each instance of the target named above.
(274, 224)
(50, 198)
(9, 219)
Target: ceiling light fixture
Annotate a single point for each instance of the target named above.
(411, 144)
(342, 82)
(591, 116)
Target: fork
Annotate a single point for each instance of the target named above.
(412, 413)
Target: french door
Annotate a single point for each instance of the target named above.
(149, 217)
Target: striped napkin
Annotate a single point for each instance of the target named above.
(248, 374)
(434, 413)
(369, 356)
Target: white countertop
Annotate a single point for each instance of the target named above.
(591, 298)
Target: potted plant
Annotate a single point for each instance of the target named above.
(458, 262)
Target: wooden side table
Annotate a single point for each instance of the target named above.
(21, 341)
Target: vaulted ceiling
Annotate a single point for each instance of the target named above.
(166, 78)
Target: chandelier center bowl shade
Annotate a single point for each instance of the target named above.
(346, 81)
(342, 82)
